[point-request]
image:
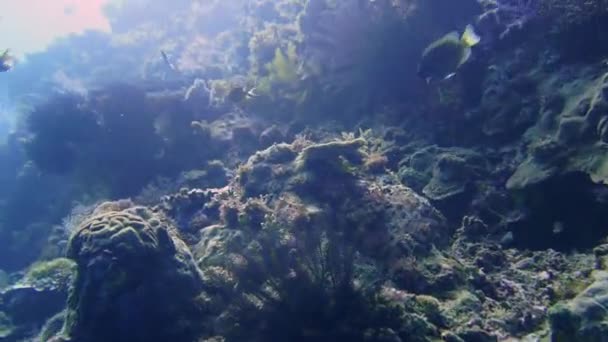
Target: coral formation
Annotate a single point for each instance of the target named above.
(317, 240)
(125, 258)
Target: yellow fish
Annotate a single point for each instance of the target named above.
(442, 58)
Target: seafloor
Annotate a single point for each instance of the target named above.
(346, 200)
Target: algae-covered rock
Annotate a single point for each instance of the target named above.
(185, 202)
(6, 326)
(44, 286)
(449, 178)
(413, 224)
(52, 328)
(330, 153)
(57, 273)
(271, 135)
(508, 103)
(441, 173)
(570, 140)
(216, 244)
(299, 215)
(137, 280)
(381, 218)
(413, 179)
(435, 273)
(214, 175)
(584, 318)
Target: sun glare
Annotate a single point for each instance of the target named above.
(28, 26)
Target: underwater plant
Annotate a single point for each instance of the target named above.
(301, 286)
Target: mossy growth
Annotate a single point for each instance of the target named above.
(58, 271)
(336, 153)
(284, 66)
(565, 324)
(461, 305)
(281, 89)
(570, 288)
(283, 70)
(428, 307)
(6, 326)
(52, 327)
(375, 162)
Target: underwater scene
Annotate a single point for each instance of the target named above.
(303, 170)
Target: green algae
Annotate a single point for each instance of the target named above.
(57, 271)
(6, 327)
(331, 152)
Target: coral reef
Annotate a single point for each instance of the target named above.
(125, 258)
(292, 179)
(316, 250)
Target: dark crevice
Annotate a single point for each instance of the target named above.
(565, 213)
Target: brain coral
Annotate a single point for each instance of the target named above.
(136, 279)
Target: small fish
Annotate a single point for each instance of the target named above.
(7, 61)
(442, 58)
(167, 60)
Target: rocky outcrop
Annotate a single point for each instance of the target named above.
(570, 135)
(137, 280)
(583, 318)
